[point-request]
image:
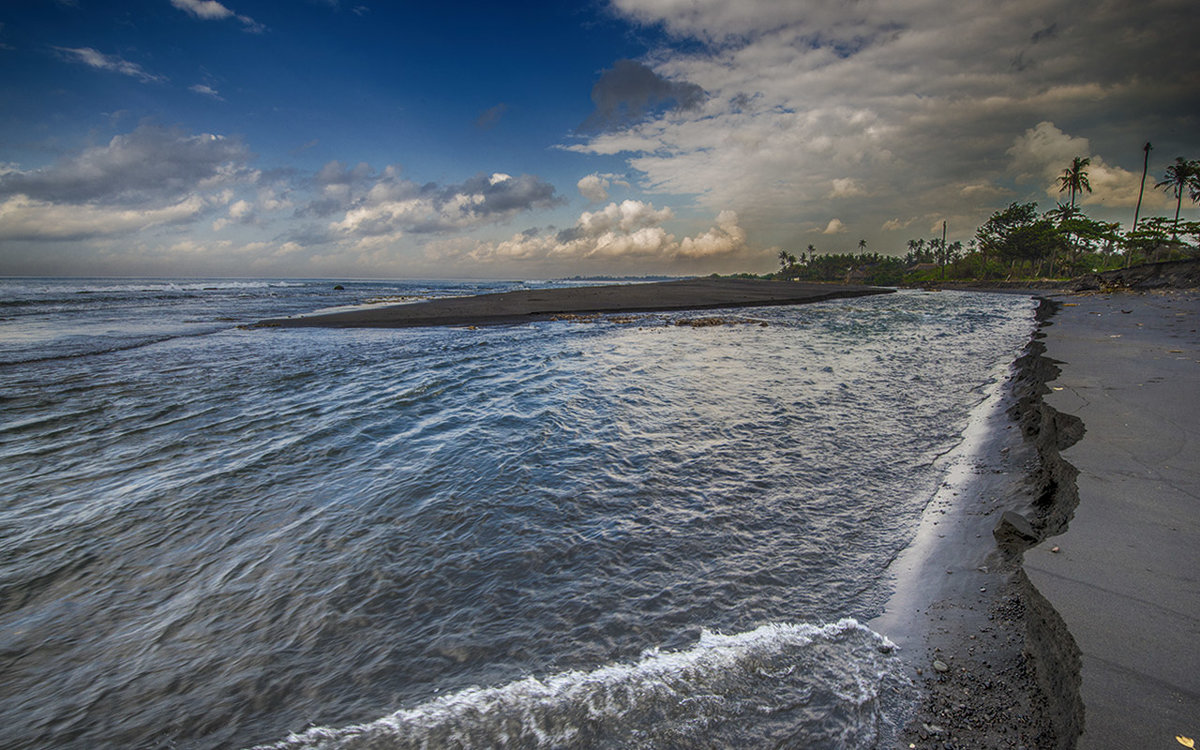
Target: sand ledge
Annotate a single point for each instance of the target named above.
(962, 599)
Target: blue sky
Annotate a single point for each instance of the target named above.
(497, 140)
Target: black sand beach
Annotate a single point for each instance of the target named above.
(542, 304)
(1051, 597)
(1126, 573)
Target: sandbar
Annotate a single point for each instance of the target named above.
(543, 304)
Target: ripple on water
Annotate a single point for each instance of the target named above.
(215, 540)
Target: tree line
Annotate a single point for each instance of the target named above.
(1021, 242)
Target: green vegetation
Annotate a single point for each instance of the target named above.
(1021, 243)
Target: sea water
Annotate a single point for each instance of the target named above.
(622, 532)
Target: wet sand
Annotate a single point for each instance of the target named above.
(544, 304)
(1077, 623)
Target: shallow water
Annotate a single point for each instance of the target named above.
(602, 534)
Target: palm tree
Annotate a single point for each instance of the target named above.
(783, 259)
(1142, 185)
(1183, 174)
(1075, 178)
(862, 246)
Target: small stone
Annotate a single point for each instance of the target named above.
(940, 665)
(1055, 550)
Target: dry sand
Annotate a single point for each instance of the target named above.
(1126, 577)
(542, 304)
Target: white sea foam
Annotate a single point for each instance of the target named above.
(826, 680)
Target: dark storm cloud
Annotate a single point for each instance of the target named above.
(502, 194)
(630, 90)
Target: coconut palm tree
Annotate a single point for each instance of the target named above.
(1075, 178)
(1184, 174)
(862, 246)
(1142, 185)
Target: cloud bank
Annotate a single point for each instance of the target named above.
(902, 114)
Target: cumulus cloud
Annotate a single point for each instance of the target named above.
(626, 217)
(630, 90)
(595, 186)
(240, 212)
(628, 233)
(211, 10)
(835, 226)
(1041, 153)
(101, 61)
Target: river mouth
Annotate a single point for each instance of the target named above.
(225, 538)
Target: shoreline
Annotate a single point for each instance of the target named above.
(1045, 605)
(973, 634)
(545, 304)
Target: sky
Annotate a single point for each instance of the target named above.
(331, 139)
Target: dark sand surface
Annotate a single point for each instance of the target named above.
(542, 304)
(1087, 619)
(961, 609)
(1126, 578)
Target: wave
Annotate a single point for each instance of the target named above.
(834, 685)
(99, 346)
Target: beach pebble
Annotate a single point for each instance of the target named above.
(940, 665)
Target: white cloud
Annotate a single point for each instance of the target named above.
(846, 187)
(101, 61)
(835, 226)
(206, 90)
(211, 10)
(1040, 154)
(593, 187)
(628, 234)
(627, 216)
(912, 103)
(25, 218)
(240, 212)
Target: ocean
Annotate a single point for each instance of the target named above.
(619, 532)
